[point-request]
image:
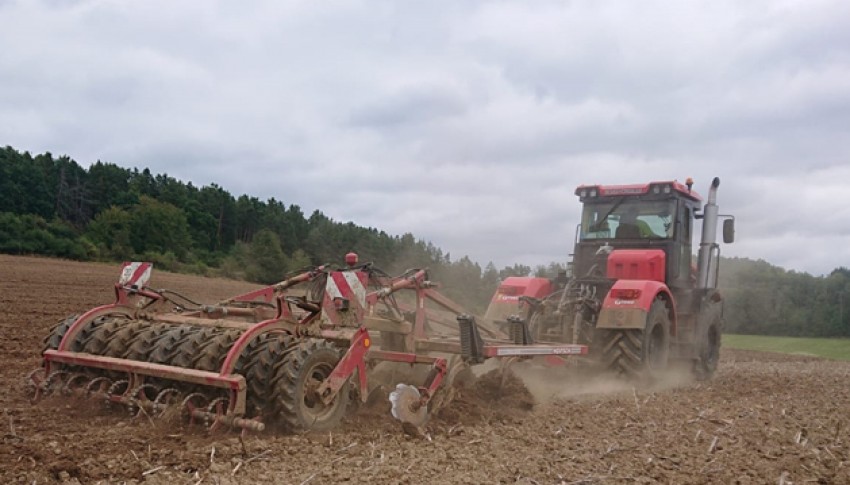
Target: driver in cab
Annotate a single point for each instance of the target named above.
(630, 227)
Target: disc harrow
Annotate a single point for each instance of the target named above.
(294, 353)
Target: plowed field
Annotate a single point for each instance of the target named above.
(764, 418)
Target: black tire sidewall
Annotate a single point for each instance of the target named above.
(708, 354)
(328, 357)
(657, 317)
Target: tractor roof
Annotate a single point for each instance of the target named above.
(665, 187)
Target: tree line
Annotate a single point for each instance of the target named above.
(764, 299)
(53, 206)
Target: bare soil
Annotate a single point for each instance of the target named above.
(764, 418)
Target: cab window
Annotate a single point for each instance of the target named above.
(628, 219)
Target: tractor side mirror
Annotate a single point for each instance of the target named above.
(729, 231)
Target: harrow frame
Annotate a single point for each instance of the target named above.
(344, 313)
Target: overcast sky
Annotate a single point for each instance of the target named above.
(466, 123)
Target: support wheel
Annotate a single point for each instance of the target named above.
(296, 381)
(641, 354)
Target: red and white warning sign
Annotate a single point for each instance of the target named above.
(135, 274)
(345, 291)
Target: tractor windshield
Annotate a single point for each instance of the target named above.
(625, 218)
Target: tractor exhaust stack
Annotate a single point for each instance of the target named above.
(708, 248)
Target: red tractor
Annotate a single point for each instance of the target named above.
(635, 297)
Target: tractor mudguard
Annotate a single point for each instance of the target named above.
(627, 304)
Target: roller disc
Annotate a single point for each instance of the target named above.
(215, 410)
(77, 381)
(140, 399)
(55, 380)
(166, 404)
(166, 397)
(115, 392)
(34, 380)
(99, 386)
(191, 403)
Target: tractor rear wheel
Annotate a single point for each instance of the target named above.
(641, 353)
(708, 343)
(303, 369)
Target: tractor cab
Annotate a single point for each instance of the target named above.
(654, 216)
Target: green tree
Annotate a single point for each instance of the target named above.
(298, 261)
(221, 206)
(25, 185)
(111, 231)
(266, 261)
(108, 185)
(159, 227)
(31, 234)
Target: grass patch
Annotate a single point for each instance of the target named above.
(830, 348)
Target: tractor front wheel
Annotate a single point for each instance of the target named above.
(641, 354)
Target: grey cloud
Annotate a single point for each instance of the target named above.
(468, 124)
(412, 106)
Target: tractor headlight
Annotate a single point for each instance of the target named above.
(593, 192)
(667, 189)
(583, 193)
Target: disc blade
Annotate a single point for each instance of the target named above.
(404, 400)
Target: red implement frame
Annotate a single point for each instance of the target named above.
(134, 300)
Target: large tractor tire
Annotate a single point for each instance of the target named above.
(189, 346)
(708, 342)
(52, 341)
(166, 346)
(91, 338)
(211, 354)
(123, 338)
(142, 343)
(257, 365)
(641, 354)
(302, 370)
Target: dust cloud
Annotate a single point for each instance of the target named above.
(549, 383)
